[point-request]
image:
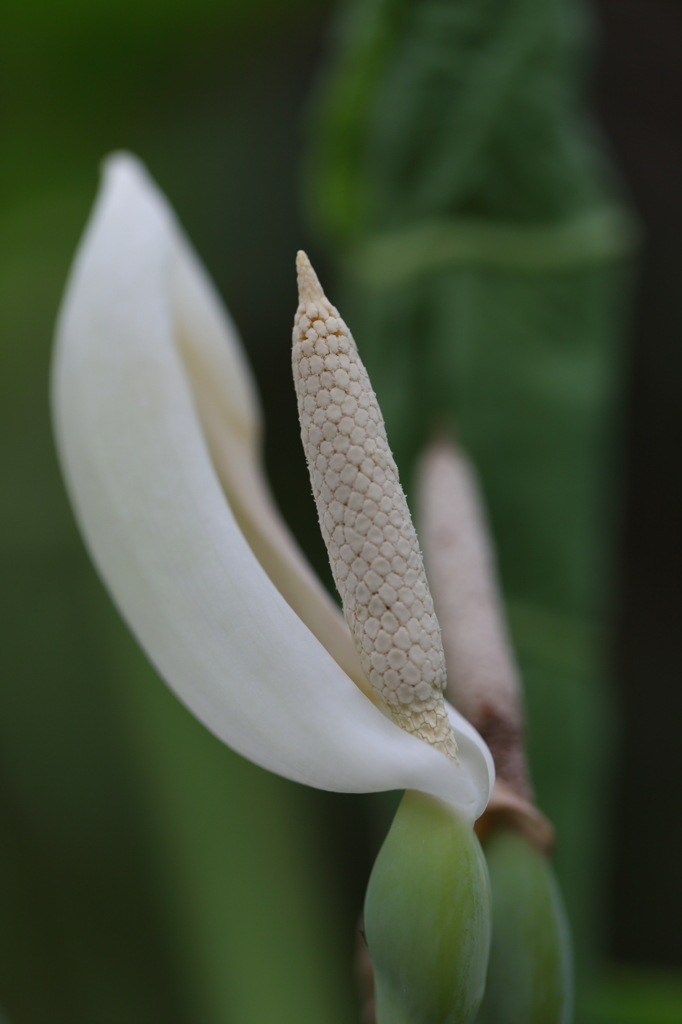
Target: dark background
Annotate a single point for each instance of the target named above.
(637, 99)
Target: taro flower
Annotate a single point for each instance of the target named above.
(158, 432)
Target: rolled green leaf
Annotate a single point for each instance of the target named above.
(427, 917)
(529, 973)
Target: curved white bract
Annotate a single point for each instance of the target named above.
(142, 345)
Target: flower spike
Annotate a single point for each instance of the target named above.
(483, 680)
(366, 524)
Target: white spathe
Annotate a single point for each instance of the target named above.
(144, 352)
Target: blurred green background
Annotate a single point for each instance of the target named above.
(147, 874)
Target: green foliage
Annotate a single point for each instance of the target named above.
(440, 109)
(529, 972)
(427, 917)
(69, 17)
(635, 996)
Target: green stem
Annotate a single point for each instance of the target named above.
(427, 917)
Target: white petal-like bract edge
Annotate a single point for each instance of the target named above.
(161, 531)
(227, 408)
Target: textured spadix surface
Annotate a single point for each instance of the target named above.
(150, 393)
(364, 518)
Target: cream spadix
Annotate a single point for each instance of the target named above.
(157, 428)
(364, 518)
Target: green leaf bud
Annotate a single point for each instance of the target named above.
(427, 917)
(530, 971)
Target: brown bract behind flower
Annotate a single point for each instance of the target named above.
(483, 680)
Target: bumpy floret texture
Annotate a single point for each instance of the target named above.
(366, 524)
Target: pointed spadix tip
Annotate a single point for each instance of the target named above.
(309, 287)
